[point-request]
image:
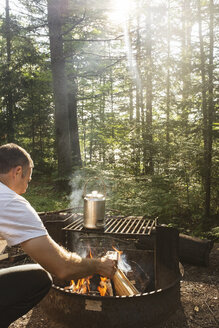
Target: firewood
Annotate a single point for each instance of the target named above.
(109, 288)
(3, 244)
(123, 285)
(3, 256)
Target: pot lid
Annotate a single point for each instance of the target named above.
(95, 195)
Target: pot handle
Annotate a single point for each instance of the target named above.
(94, 178)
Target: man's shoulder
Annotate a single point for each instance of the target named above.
(13, 204)
(7, 196)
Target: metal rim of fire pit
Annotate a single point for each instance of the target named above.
(66, 291)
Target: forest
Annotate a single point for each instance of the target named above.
(125, 90)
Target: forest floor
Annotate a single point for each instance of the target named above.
(199, 301)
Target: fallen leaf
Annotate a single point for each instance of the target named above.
(196, 308)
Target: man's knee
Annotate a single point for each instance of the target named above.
(42, 278)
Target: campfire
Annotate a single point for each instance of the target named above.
(143, 292)
(120, 285)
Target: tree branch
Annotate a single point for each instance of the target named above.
(74, 25)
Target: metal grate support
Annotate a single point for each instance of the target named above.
(129, 225)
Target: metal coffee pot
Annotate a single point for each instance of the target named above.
(94, 207)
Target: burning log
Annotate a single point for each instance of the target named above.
(123, 285)
(105, 287)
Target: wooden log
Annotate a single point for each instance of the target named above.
(109, 287)
(123, 285)
(194, 250)
(3, 245)
(3, 256)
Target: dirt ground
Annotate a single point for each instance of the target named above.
(199, 301)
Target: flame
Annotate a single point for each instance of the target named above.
(102, 288)
(119, 252)
(83, 285)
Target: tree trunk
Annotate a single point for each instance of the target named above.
(186, 62)
(138, 98)
(207, 125)
(73, 127)
(148, 165)
(168, 88)
(111, 153)
(59, 89)
(209, 115)
(9, 97)
(91, 137)
(102, 119)
(83, 121)
(131, 102)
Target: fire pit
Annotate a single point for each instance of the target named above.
(152, 247)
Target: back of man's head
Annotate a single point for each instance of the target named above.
(11, 156)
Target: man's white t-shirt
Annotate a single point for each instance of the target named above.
(18, 219)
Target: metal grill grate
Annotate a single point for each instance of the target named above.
(117, 225)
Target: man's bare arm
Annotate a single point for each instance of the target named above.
(63, 264)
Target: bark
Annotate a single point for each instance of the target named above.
(83, 120)
(132, 92)
(168, 85)
(9, 97)
(73, 127)
(186, 61)
(111, 154)
(55, 15)
(102, 119)
(206, 110)
(131, 102)
(148, 164)
(209, 115)
(138, 98)
(91, 145)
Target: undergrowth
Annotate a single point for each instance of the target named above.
(144, 196)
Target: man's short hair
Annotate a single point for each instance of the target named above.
(11, 156)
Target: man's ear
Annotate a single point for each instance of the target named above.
(17, 171)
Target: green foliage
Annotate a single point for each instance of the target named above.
(213, 234)
(111, 81)
(44, 197)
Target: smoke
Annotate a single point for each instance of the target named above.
(77, 188)
(123, 264)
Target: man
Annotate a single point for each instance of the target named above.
(22, 287)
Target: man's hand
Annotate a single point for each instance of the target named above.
(107, 267)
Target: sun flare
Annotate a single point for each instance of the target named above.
(120, 10)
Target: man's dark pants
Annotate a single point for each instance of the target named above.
(21, 288)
